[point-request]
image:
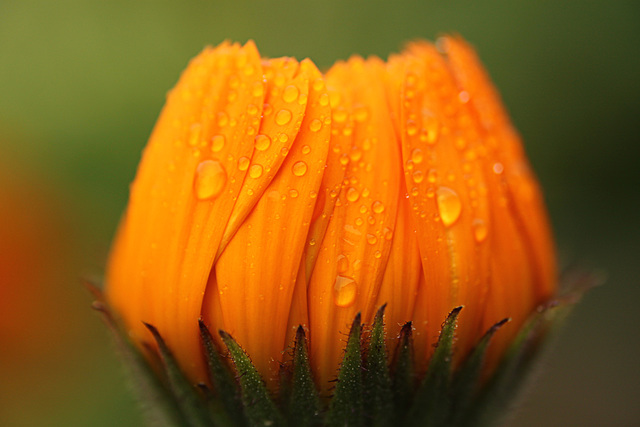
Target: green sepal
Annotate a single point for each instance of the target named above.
(259, 409)
(228, 410)
(377, 380)
(159, 406)
(432, 404)
(403, 375)
(304, 404)
(465, 382)
(186, 396)
(515, 368)
(347, 406)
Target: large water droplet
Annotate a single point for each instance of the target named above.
(243, 163)
(299, 168)
(217, 143)
(290, 93)
(210, 179)
(480, 230)
(449, 205)
(283, 117)
(417, 156)
(255, 171)
(345, 290)
(352, 194)
(315, 125)
(342, 264)
(262, 142)
(377, 206)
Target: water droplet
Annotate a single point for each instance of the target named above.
(283, 137)
(306, 149)
(252, 110)
(372, 239)
(449, 205)
(318, 84)
(412, 128)
(352, 194)
(464, 96)
(345, 291)
(387, 233)
(223, 119)
(210, 179)
(498, 168)
(243, 163)
(344, 159)
(418, 177)
(340, 115)
(255, 171)
(299, 168)
(258, 89)
(293, 193)
(312, 242)
(480, 230)
(194, 136)
(355, 155)
(361, 114)
(315, 125)
(432, 176)
(262, 142)
(342, 264)
(377, 207)
(283, 117)
(217, 143)
(417, 156)
(290, 93)
(324, 100)
(284, 151)
(377, 254)
(359, 221)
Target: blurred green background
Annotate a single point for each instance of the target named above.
(82, 82)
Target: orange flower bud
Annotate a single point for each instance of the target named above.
(271, 196)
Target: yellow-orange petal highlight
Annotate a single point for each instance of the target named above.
(272, 196)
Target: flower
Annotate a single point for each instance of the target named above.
(271, 196)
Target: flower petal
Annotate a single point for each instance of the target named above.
(256, 273)
(182, 197)
(349, 269)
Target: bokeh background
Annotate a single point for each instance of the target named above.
(82, 82)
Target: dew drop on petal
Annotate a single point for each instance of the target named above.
(299, 168)
(243, 163)
(377, 207)
(210, 179)
(342, 264)
(262, 142)
(480, 230)
(290, 93)
(315, 125)
(255, 171)
(417, 156)
(372, 239)
(283, 117)
(345, 290)
(217, 143)
(418, 177)
(306, 149)
(449, 205)
(352, 194)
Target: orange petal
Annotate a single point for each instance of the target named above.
(353, 253)
(182, 197)
(256, 273)
(523, 188)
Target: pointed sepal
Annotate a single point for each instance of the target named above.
(347, 405)
(224, 387)
(304, 402)
(186, 396)
(432, 403)
(258, 407)
(403, 383)
(377, 380)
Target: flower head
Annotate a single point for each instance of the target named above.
(271, 196)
